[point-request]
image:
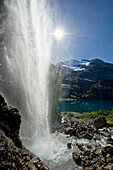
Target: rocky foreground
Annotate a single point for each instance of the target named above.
(100, 158)
(13, 155)
(97, 153)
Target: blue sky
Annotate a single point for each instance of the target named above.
(91, 25)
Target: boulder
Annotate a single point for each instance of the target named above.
(76, 157)
(99, 122)
(80, 146)
(69, 145)
(110, 141)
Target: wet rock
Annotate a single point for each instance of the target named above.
(87, 135)
(108, 150)
(76, 157)
(89, 146)
(110, 141)
(69, 145)
(105, 134)
(68, 130)
(80, 146)
(108, 167)
(97, 158)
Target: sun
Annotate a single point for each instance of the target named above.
(59, 34)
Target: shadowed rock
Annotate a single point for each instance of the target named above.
(12, 154)
(12, 157)
(10, 121)
(100, 122)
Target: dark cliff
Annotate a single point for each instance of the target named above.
(13, 155)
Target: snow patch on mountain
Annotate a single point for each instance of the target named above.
(76, 65)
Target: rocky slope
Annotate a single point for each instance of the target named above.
(12, 154)
(89, 79)
(97, 158)
(95, 146)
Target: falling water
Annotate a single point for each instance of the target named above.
(27, 51)
(28, 56)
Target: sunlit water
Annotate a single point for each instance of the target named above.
(54, 151)
(29, 53)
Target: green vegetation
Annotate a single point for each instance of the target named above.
(96, 114)
(70, 115)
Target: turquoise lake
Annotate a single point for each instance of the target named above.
(85, 105)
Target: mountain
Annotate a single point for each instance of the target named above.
(74, 64)
(86, 79)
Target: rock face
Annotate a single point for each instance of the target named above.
(10, 121)
(12, 154)
(12, 157)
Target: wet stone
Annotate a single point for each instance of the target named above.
(69, 145)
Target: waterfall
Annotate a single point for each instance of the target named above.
(28, 52)
(30, 83)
